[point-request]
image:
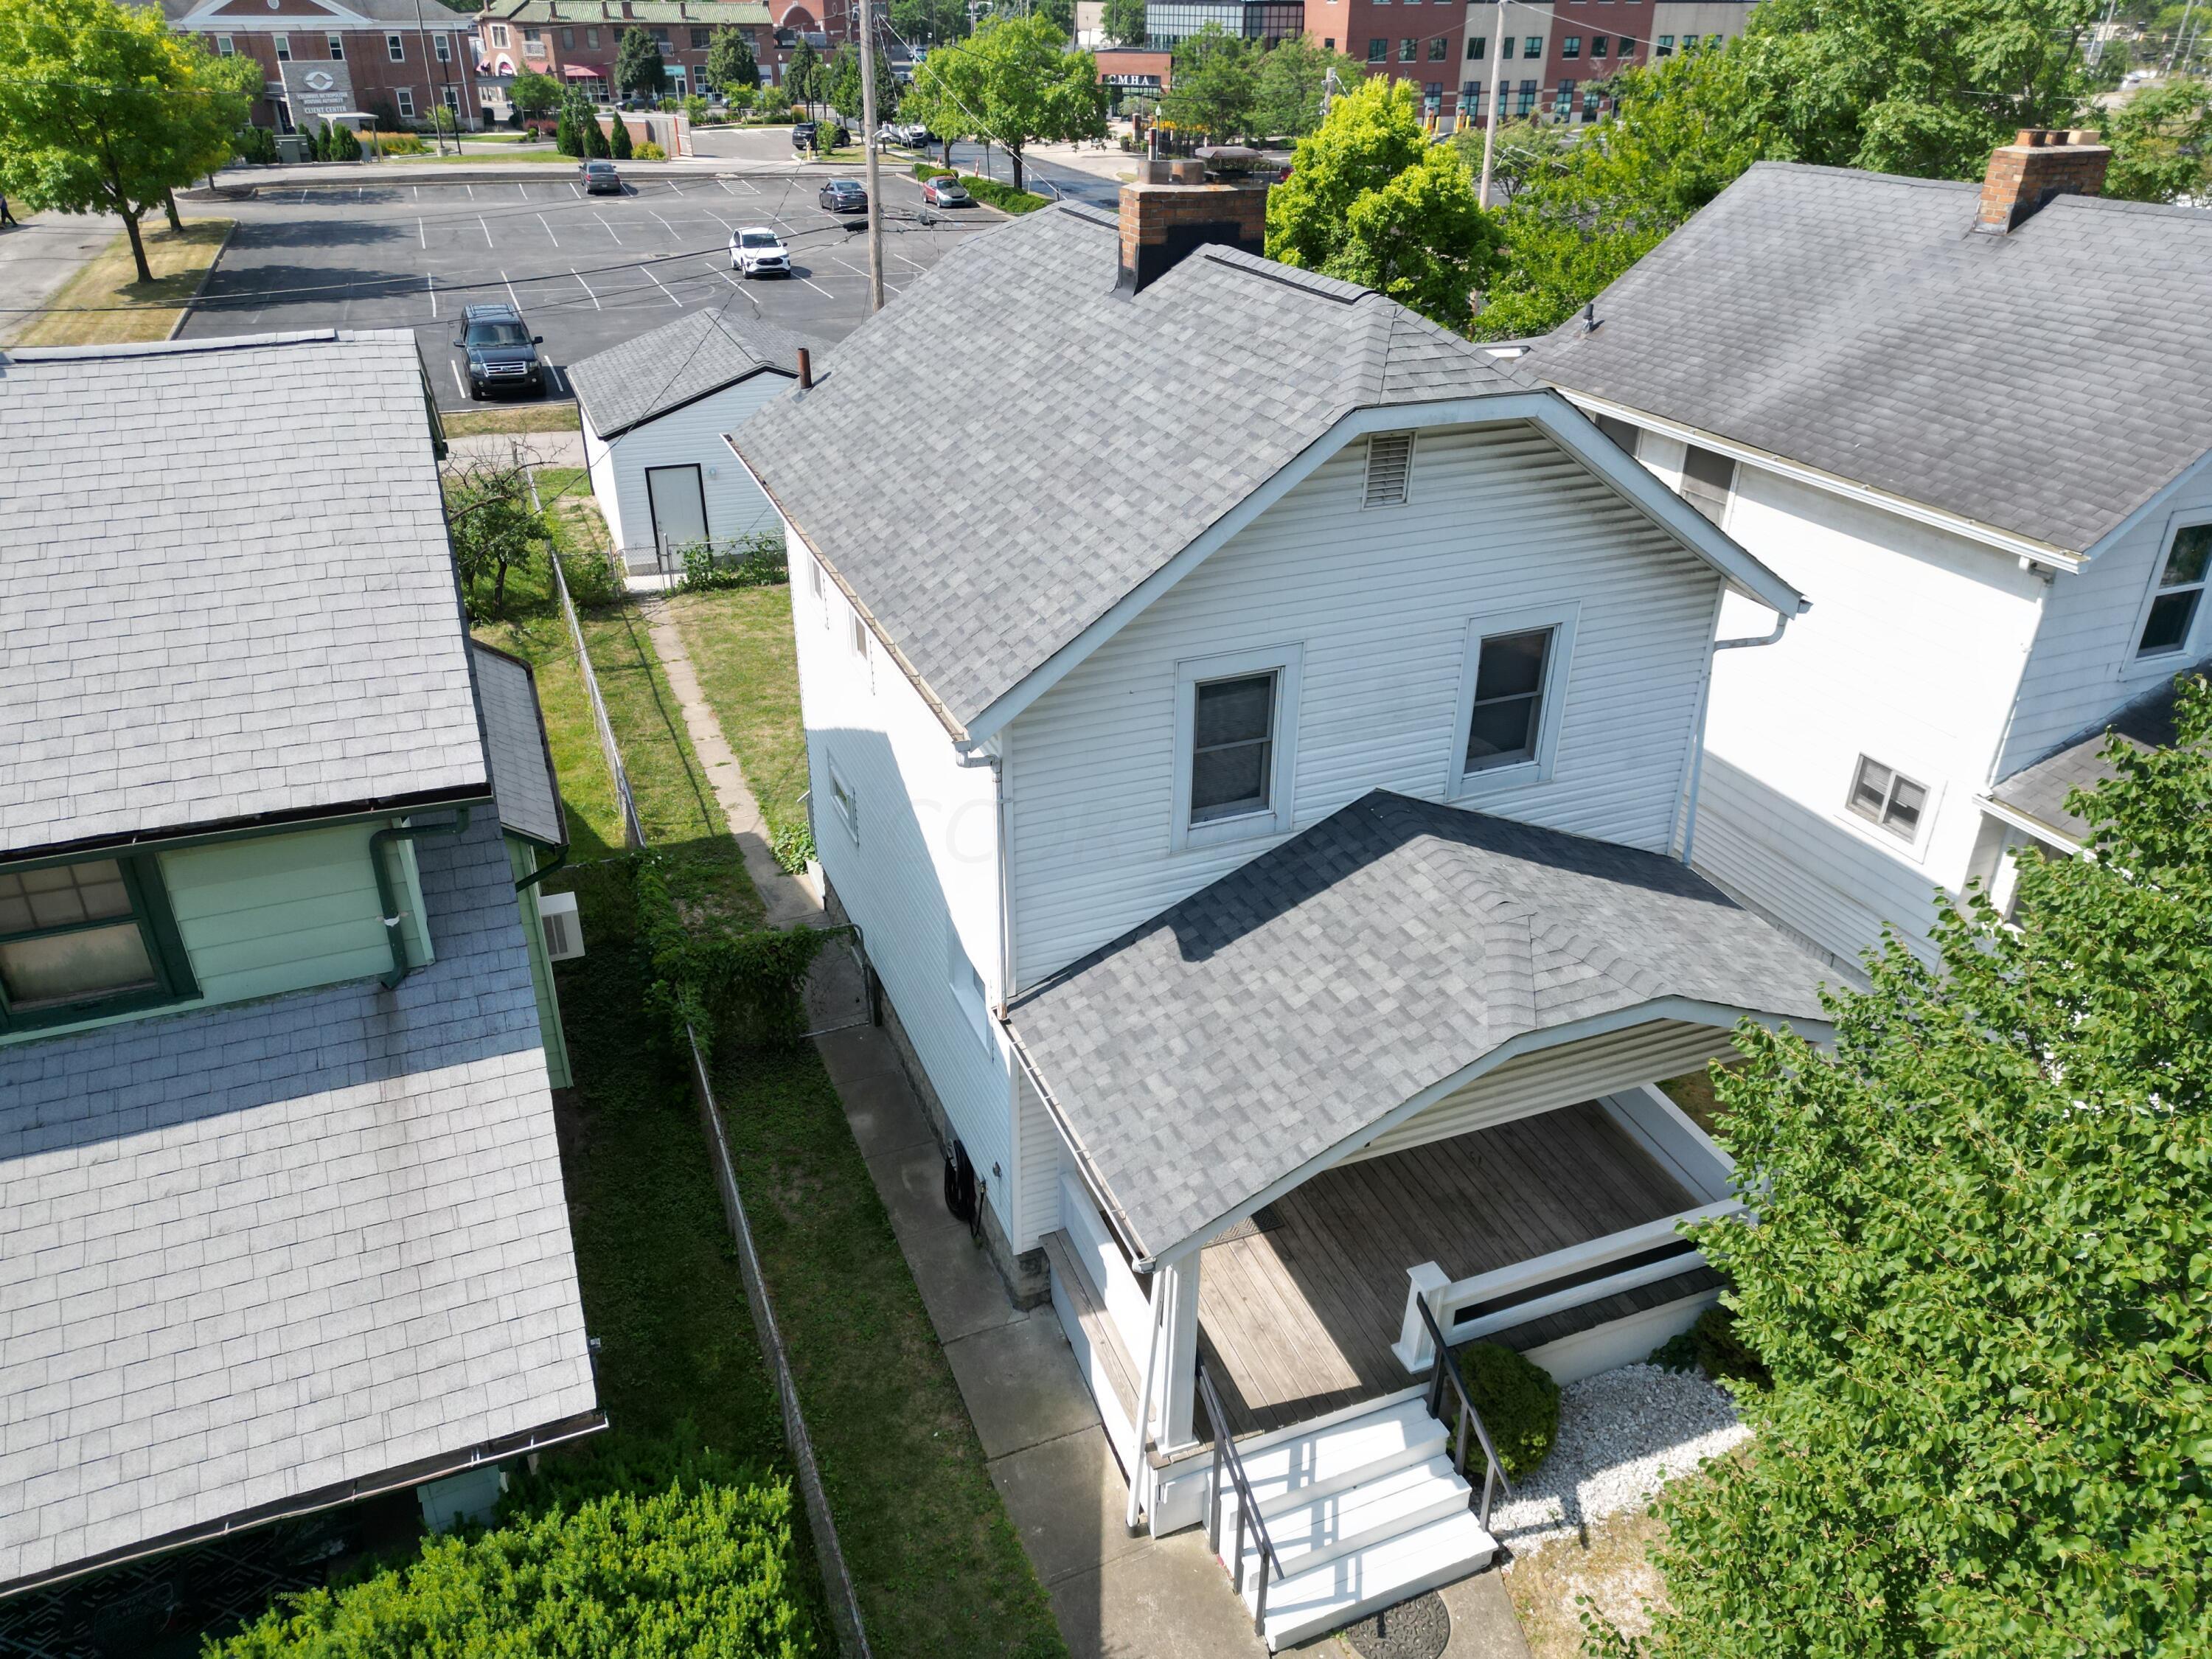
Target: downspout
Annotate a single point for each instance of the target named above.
(1162, 1288)
(387, 896)
(1704, 695)
(560, 858)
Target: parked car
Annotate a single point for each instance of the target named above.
(912, 134)
(757, 251)
(600, 179)
(843, 195)
(498, 351)
(945, 191)
(819, 135)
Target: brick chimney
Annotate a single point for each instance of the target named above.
(1171, 211)
(2041, 163)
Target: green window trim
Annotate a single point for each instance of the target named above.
(157, 929)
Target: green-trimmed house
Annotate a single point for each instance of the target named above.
(282, 1222)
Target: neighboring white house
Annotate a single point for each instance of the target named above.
(654, 409)
(1251, 729)
(1975, 421)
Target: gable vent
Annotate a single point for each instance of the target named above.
(1389, 468)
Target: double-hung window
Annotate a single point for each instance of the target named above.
(1883, 795)
(1378, 48)
(225, 47)
(1571, 46)
(1236, 725)
(1407, 48)
(84, 939)
(395, 47)
(405, 97)
(338, 48)
(701, 39)
(1476, 45)
(283, 43)
(845, 802)
(2180, 595)
(1511, 689)
(441, 48)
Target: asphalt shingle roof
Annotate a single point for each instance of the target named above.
(651, 374)
(1298, 1001)
(522, 780)
(253, 1251)
(226, 588)
(2047, 382)
(2039, 791)
(997, 458)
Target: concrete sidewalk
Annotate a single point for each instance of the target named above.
(38, 256)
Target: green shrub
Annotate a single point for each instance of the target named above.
(593, 581)
(1679, 1352)
(722, 983)
(1005, 197)
(1519, 1403)
(620, 145)
(793, 845)
(649, 151)
(256, 144)
(700, 1568)
(1723, 1353)
(345, 144)
(757, 561)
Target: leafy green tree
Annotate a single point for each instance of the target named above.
(495, 527)
(620, 147)
(1061, 14)
(1289, 83)
(534, 93)
(1211, 89)
(1124, 23)
(638, 65)
(564, 132)
(731, 62)
(841, 85)
(802, 75)
(1582, 213)
(1371, 200)
(2162, 141)
(104, 110)
(596, 145)
(929, 22)
(1982, 1278)
(1015, 83)
(344, 145)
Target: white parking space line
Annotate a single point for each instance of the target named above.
(523, 193)
(470, 188)
(610, 229)
(665, 225)
(596, 306)
(487, 229)
(663, 287)
(550, 236)
(456, 368)
(673, 188)
(430, 285)
(511, 294)
(579, 194)
(420, 234)
(816, 285)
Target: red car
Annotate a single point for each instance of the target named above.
(945, 191)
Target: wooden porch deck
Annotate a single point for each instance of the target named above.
(1297, 1312)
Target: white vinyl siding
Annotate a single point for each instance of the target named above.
(1502, 521)
(924, 875)
(691, 435)
(1040, 1159)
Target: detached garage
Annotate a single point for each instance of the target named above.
(655, 411)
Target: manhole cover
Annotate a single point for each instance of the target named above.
(1413, 1630)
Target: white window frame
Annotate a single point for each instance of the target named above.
(406, 97)
(499, 34)
(818, 584)
(2165, 662)
(1562, 620)
(225, 47)
(395, 48)
(452, 97)
(845, 802)
(856, 639)
(1877, 834)
(966, 982)
(337, 44)
(281, 44)
(442, 47)
(1287, 663)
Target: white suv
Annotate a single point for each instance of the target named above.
(758, 251)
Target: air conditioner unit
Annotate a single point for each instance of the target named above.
(564, 933)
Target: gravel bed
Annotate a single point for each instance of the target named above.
(1622, 1435)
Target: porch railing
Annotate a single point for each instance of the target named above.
(1442, 1369)
(1467, 1310)
(1225, 1457)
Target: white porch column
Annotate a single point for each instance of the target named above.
(1176, 1389)
(1414, 1350)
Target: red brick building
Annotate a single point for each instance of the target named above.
(324, 58)
(1553, 59)
(575, 41)
(1419, 40)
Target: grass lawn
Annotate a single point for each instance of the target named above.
(179, 259)
(523, 417)
(740, 642)
(940, 1569)
(1606, 1564)
(548, 155)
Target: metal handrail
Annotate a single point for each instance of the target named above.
(1225, 1456)
(1494, 1473)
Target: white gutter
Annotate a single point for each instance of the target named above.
(1705, 698)
(2050, 835)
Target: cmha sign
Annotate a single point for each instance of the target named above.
(320, 88)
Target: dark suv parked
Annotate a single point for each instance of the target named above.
(817, 135)
(498, 351)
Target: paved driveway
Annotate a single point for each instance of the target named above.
(586, 271)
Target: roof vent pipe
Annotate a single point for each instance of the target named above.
(806, 369)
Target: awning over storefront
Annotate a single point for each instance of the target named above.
(582, 72)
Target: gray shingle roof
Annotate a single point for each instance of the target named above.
(435, 16)
(522, 780)
(2046, 382)
(1301, 998)
(226, 589)
(257, 1250)
(997, 458)
(2039, 791)
(679, 363)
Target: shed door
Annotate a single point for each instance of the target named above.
(678, 498)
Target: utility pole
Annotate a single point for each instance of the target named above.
(1490, 130)
(2096, 54)
(868, 139)
(2180, 34)
(430, 86)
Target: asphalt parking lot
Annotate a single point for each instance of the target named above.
(586, 272)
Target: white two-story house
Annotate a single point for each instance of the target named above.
(1976, 422)
(1251, 730)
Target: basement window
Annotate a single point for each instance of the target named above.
(1884, 796)
(1389, 469)
(967, 985)
(2179, 594)
(846, 803)
(1707, 479)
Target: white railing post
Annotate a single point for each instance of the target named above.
(1413, 1347)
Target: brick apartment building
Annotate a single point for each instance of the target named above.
(575, 41)
(322, 57)
(1555, 56)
